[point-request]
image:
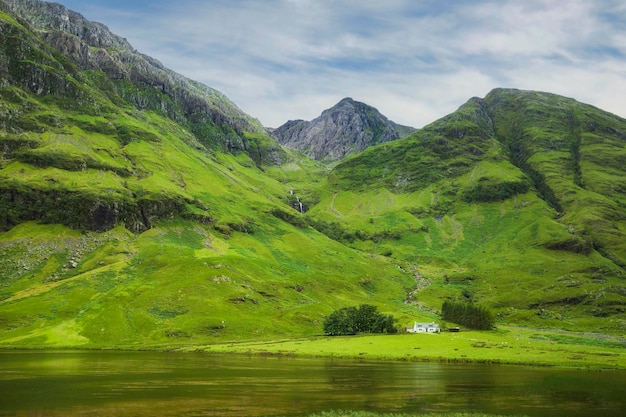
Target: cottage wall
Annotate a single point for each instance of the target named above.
(423, 328)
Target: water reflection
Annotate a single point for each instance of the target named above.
(171, 384)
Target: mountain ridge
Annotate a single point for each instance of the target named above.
(145, 82)
(475, 174)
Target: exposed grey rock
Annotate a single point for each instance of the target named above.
(348, 127)
(93, 46)
(48, 16)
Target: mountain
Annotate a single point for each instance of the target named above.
(95, 57)
(515, 200)
(140, 214)
(347, 127)
(68, 83)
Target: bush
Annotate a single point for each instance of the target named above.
(353, 320)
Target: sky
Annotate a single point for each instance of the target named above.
(414, 60)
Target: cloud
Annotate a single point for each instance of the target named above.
(414, 61)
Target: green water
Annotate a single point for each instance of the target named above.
(185, 384)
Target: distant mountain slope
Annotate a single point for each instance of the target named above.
(346, 128)
(515, 200)
(95, 56)
(571, 154)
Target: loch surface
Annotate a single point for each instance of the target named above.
(105, 383)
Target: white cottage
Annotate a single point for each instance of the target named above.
(423, 328)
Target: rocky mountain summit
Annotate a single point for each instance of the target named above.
(347, 127)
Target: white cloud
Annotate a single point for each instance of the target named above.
(414, 61)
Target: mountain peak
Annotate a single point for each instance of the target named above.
(347, 127)
(48, 16)
(345, 100)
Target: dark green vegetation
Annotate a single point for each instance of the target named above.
(353, 320)
(141, 209)
(469, 315)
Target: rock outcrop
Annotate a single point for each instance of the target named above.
(348, 127)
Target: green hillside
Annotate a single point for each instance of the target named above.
(515, 201)
(147, 210)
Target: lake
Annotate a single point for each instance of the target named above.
(104, 383)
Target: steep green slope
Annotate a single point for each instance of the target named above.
(50, 50)
(76, 150)
(514, 201)
(122, 224)
(575, 155)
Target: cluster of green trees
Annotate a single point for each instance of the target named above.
(469, 315)
(353, 320)
(487, 191)
(339, 233)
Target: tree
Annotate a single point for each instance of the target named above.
(353, 320)
(469, 315)
(340, 322)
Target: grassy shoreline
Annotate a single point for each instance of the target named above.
(508, 345)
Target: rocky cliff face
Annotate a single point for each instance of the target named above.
(135, 77)
(347, 127)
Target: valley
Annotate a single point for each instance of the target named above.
(142, 210)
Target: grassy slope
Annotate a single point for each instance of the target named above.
(244, 274)
(181, 284)
(578, 152)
